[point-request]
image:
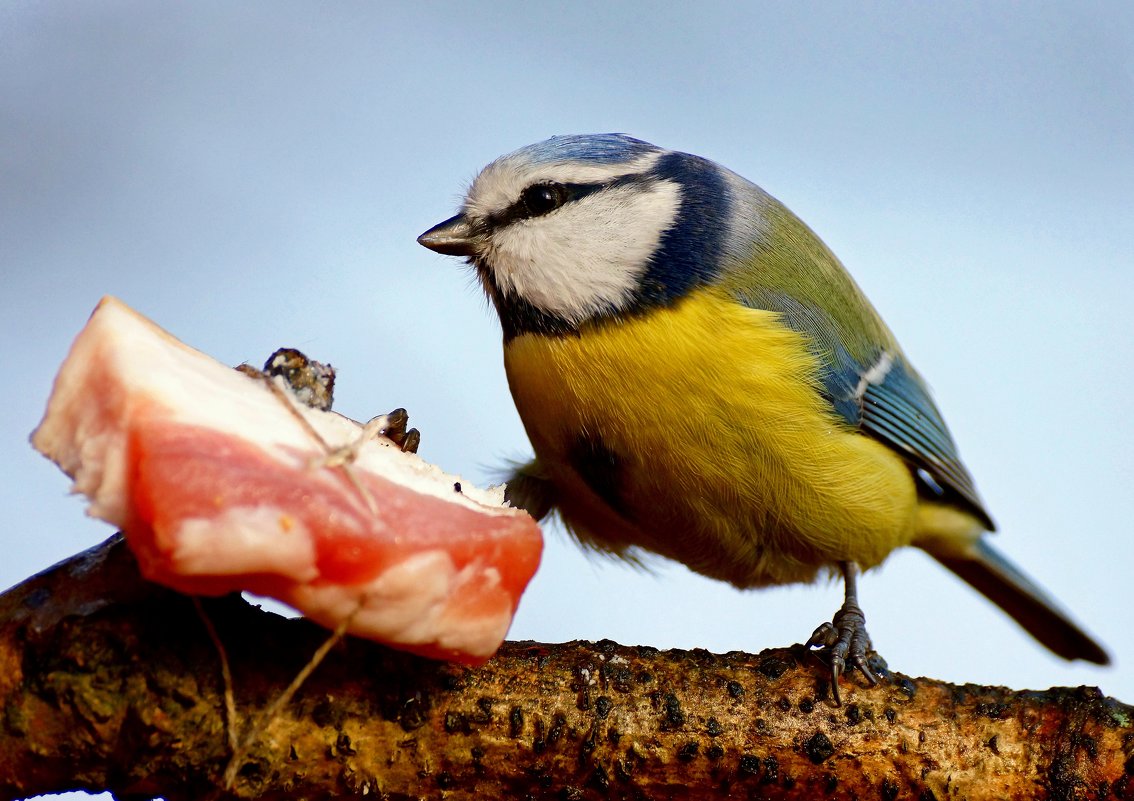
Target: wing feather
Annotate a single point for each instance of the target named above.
(883, 397)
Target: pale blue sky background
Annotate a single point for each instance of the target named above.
(254, 175)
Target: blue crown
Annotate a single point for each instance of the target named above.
(609, 148)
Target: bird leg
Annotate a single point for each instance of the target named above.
(844, 639)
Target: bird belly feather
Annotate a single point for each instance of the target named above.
(699, 432)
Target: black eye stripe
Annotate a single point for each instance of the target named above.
(543, 198)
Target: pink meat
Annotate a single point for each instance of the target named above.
(219, 488)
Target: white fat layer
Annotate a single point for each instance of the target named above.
(418, 601)
(122, 364)
(875, 375)
(244, 540)
(589, 255)
(501, 182)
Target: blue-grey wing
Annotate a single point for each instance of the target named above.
(879, 393)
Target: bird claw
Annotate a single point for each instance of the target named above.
(393, 427)
(846, 643)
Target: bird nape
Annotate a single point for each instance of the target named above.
(701, 378)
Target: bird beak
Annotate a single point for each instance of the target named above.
(454, 237)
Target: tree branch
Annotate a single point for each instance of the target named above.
(108, 682)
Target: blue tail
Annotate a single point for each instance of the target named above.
(1003, 584)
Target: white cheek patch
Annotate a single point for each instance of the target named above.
(589, 255)
(502, 181)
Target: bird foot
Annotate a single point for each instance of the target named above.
(394, 428)
(845, 643)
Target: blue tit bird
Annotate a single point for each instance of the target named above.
(701, 378)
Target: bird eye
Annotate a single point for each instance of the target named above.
(543, 198)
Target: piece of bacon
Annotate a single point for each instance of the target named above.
(219, 487)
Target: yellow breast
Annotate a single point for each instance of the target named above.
(698, 432)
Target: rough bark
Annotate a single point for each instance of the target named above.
(108, 682)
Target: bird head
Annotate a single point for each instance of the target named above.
(590, 227)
